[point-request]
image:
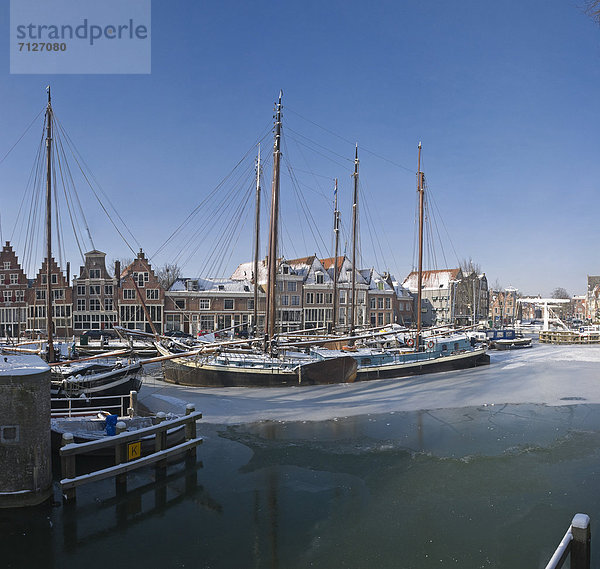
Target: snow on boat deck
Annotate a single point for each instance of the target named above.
(545, 374)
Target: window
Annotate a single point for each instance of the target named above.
(279, 286)
(250, 304)
(129, 294)
(285, 270)
(108, 290)
(20, 294)
(372, 303)
(108, 304)
(204, 304)
(152, 294)
(228, 304)
(44, 279)
(380, 303)
(361, 298)
(295, 300)
(320, 297)
(207, 322)
(310, 298)
(40, 294)
(180, 303)
(380, 318)
(141, 278)
(94, 273)
(388, 318)
(380, 285)
(292, 286)
(80, 290)
(319, 278)
(80, 304)
(58, 294)
(388, 303)
(342, 297)
(7, 296)
(6, 265)
(94, 304)
(2, 278)
(285, 300)
(329, 298)
(54, 279)
(95, 290)
(14, 278)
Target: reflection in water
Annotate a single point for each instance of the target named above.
(489, 486)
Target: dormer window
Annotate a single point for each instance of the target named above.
(221, 287)
(285, 270)
(94, 273)
(319, 278)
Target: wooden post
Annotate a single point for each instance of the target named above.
(581, 544)
(160, 443)
(190, 433)
(120, 456)
(133, 404)
(67, 465)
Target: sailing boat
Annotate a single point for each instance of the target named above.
(424, 355)
(70, 379)
(224, 366)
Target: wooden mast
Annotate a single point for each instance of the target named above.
(354, 240)
(420, 191)
(49, 228)
(256, 245)
(336, 231)
(273, 229)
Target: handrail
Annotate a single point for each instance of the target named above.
(576, 545)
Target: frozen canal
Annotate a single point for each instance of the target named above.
(482, 468)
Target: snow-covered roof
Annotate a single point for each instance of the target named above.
(431, 279)
(22, 364)
(211, 285)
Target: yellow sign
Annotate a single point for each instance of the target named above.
(134, 450)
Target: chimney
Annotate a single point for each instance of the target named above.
(118, 272)
(68, 273)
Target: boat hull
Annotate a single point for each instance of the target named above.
(199, 374)
(461, 360)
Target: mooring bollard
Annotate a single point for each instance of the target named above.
(67, 466)
(581, 544)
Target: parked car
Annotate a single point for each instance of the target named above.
(32, 334)
(97, 334)
(177, 334)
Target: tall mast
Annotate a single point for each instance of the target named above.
(273, 229)
(49, 228)
(336, 231)
(421, 193)
(256, 245)
(354, 240)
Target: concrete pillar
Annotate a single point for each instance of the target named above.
(25, 452)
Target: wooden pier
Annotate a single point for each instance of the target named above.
(569, 337)
(127, 452)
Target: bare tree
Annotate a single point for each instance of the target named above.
(168, 274)
(125, 262)
(560, 292)
(592, 9)
(469, 266)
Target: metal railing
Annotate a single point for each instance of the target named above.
(575, 545)
(82, 406)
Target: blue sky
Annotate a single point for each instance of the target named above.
(504, 97)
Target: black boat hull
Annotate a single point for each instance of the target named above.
(336, 370)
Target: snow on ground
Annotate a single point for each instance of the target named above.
(544, 374)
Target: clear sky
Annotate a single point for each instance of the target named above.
(503, 95)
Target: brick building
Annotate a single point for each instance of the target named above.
(138, 279)
(13, 286)
(94, 295)
(62, 301)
